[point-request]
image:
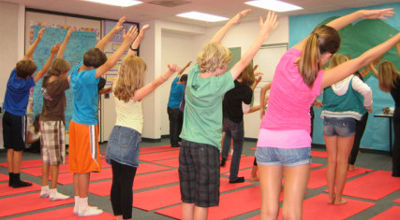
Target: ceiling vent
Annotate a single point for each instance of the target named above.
(169, 3)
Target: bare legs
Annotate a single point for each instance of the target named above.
(296, 179)
(193, 212)
(338, 149)
(45, 175)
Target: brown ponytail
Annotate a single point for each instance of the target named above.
(387, 76)
(323, 39)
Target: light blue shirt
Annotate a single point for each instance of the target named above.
(84, 86)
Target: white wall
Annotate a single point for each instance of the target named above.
(9, 29)
(180, 43)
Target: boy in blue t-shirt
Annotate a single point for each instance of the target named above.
(84, 156)
(174, 114)
(15, 103)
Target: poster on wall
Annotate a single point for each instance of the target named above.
(113, 45)
(81, 40)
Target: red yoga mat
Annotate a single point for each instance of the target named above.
(3, 177)
(140, 182)
(160, 156)
(231, 204)
(27, 163)
(318, 177)
(28, 203)
(170, 162)
(390, 214)
(245, 162)
(317, 207)
(315, 153)
(5, 190)
(67, 178)
(373, 186)
(171, 195)
(65, 214)
(146, 150)
(397, 200)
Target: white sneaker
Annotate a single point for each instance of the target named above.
(44, 192)
(90, 211)
(76, 208)
(57, 196)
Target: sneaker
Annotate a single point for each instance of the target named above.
(237, 180)
(90, 211)
(44, 194)
(76, 209)
(57, 196)
(20, 183)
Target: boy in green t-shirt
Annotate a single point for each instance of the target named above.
(207, 83)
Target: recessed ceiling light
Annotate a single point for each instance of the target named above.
(121, 3)
(202, 16)
(274, 5)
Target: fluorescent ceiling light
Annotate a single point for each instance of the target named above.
(121, 3)
(274, 5)
(202, 16)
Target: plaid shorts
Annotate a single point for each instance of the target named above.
(53, 142)
(199, 174)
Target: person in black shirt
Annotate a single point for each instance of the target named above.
(236, 103)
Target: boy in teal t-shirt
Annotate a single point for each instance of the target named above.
(207, 83)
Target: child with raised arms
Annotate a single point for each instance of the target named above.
(208, 81)
(15, 103)
(284, 140)
(84, 153)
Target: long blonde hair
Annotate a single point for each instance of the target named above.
(212, 56)
(130, 77)
(387, 76)
(323, 39)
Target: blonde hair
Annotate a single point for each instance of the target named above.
(387, 76)
(130, 77)
(247, 75)
(323, 39)
(337, 59)
(213, 56)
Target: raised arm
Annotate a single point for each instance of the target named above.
(150, 87)
(183, 69)
(258, 80)
(113, 59)
(221, 33)
(31, 50)
(398, 49)
(135, 45)
(53, 51)
(373, 69)
(264, 90)
(104, 41)
(341, 71)
(60, 53)
(266, 27)
(343, 21)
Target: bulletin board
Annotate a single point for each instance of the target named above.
(85, 37)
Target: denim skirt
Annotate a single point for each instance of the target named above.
(123, 146)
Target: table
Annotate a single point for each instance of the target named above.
(390, 117)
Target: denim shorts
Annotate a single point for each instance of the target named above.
(123, 146)
(342, 127)
(289, 157)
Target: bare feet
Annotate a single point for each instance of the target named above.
(352, 167)
(254, 177)
(340, 201)
(332, 198)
